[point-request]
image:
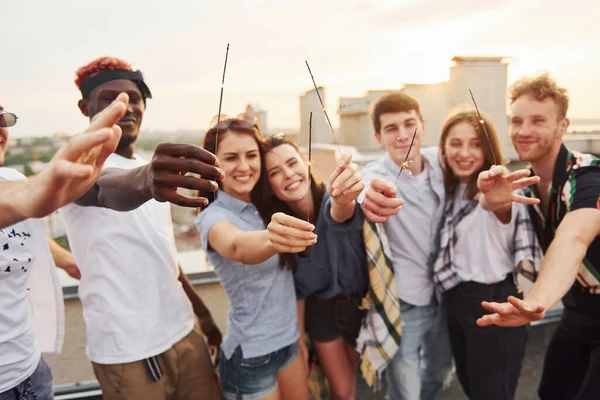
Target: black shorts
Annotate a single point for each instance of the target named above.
(340, 316)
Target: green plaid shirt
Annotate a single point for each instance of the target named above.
(575, 185)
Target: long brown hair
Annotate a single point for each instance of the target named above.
(242, 126)
(270, 204)
(489, 148)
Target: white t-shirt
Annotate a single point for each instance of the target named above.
(483, 251)
(133, 303)
(23, 249)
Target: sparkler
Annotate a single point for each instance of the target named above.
(406, 163)
(323, 107)
(309, 162)
(221, 99)
(482, 123)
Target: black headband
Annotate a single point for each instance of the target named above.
(114, 75)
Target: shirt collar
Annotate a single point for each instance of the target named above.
(231, 203)
(428, 160)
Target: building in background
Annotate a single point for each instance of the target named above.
(321, 132)
(487, 77)
(261, 116)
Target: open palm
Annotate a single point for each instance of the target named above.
(498, 185)
(76, 166)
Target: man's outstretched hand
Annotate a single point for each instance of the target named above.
(380, 201)
(515, 312)
(76, 165)
(498, 186)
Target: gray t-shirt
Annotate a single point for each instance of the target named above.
(263, 315)
(411, 232)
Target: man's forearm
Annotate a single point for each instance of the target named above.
(12, 199)
(23, 199)
(198, 305)
(119, 189)
(559, 269)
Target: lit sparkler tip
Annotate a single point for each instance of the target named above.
(405, 164)
(481, 121)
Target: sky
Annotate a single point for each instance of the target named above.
(351, 45)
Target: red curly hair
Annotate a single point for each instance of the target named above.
(99, 65)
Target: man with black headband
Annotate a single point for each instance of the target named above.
(142, 336)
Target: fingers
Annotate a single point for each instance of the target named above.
(345, 159)
(345, 173)
(500, 308)
(78, 146)
(489, 319)
(173, 196)
(496, 170)
(524, 199)
(535, 311)
(63, 169)
(109, 146)
(347, 182)
(522, 183)
(175, 164)
(374, 217)
(519, 174)
(384, 186)
(177, 150)
(292, 222)
(289, 234)
(111, 114)
(162, 181)
(380, 204)
(338, 170)
(290, 241)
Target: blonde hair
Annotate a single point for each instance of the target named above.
(541, 87)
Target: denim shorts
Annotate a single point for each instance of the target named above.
(38, 386)
(255, 377)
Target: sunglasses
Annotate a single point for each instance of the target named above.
(243, 120)
(7, 119)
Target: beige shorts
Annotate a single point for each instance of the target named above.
(188, 373)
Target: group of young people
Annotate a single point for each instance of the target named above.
(294, 258)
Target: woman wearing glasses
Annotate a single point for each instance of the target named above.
(259, 355)
(331, 277)
(25, 260)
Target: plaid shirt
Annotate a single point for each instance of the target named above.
(575, 184)
(525, 248)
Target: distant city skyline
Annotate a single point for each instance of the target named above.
(352, 46)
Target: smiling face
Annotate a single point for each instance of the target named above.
(463, 151)
(287, 173)
(102, 96)
(535, 127)
(239, 158)
(396, 133)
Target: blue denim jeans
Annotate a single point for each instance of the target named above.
(424, 360)
(256, 377)
(37, 387)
